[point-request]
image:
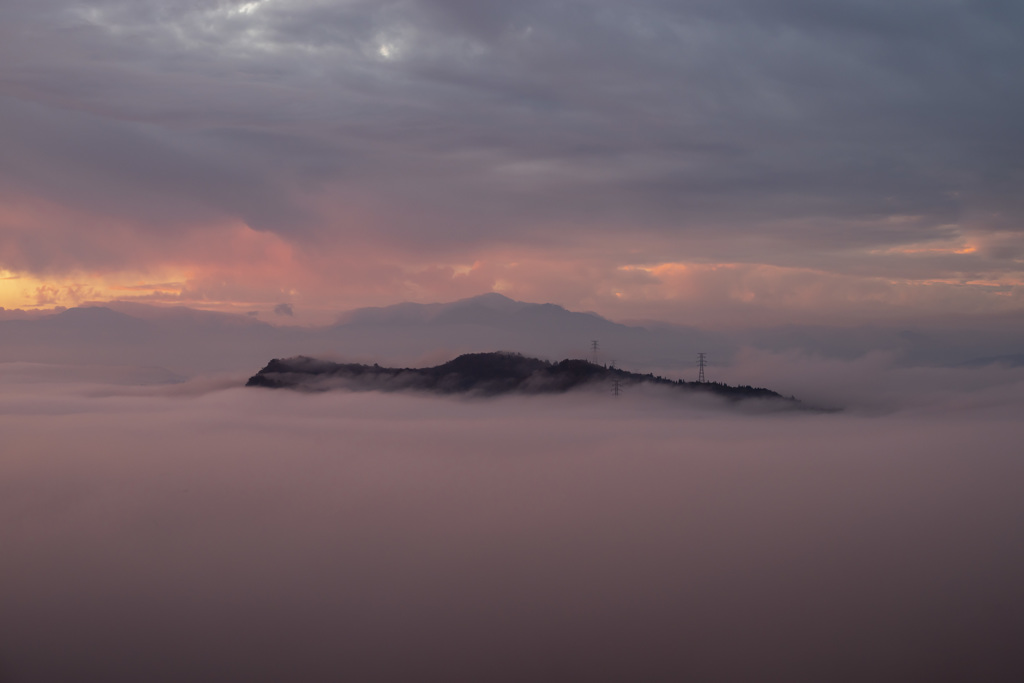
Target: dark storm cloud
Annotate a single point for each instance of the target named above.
(448, 119)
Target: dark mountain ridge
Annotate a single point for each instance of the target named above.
(486, 374)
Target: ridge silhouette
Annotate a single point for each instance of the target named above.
(489, 374)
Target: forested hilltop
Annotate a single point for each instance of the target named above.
(487, 374)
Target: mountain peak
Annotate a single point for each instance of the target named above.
(489, 297)
(409, 312)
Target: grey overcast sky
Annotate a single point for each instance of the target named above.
(708, 161)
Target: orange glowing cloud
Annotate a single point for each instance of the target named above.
(228, 265)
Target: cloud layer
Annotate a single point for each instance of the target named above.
(253, 535)
(876, 145)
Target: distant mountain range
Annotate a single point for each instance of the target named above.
(187, 341)
(485, 374)
(424, 332)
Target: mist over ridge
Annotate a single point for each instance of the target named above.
(486, 375)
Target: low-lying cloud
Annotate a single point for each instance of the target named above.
(244, 534)
(877, 383)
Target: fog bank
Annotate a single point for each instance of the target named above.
(248, 535)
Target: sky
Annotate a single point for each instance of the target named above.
(701, 162)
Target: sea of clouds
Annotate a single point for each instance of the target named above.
(204, 531)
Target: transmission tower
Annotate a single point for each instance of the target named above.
(701, 362)
(616, 387)
(593, 347)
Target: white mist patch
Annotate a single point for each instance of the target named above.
(247, 7)
(248, 534)
(876, 383)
